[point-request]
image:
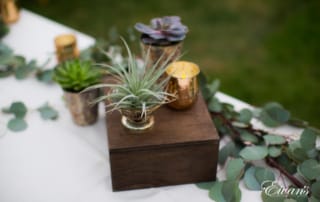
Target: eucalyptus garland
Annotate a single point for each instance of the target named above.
(297, 159)
(17, 66)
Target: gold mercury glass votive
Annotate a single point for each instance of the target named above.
(66, 47)
(183, 83)
(9, 11)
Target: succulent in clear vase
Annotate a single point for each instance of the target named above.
(73, 76)
(162, 37)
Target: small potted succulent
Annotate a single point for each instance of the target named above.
(135, 92)
(162, 37)
(74, 76)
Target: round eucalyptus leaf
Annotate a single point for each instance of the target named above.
(231, 191)
(274, 139)
(250, 180)
(274, 151)
(315, 190)
(253, 153)
(214, 86)
(48, 112)
(17, 124)
(248, 137)
(226, 151)
(24, 70)
(45, 76)
(245, 116)
(273, 115)
(214, 105)
(235, 169)
(264, 174)
(295, 152)
(309, 169)
(215, 192)
(308, 139)
(269, 194)
(18, 109)
(312, 153)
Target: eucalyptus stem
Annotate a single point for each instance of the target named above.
(271, 162)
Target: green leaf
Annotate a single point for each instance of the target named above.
(45, 76)
(309, 169)
(253, 153)
(269, 197)
(225, 191)
(203, 86)
(295, 152)
(274, 151)
(205, 185)
(250, 180)
(17, 108)
(24, 70)
(214, 105)
(226, 151)
(274, 139)
(273, 115)
(235, 169)
(17, 124)
(214, 86)
(245, 116)
(215, 192)
(231, 191)
(264, 174)
(230, 149)
(248, 137)
(47, 112)
(315, 190)
(286, 163)
(308, 139)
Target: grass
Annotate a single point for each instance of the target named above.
(260, 50)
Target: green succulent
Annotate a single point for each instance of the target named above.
(76, 75)
(135, 86)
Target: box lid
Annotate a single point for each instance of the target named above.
(171, 128)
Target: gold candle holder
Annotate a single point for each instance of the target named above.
(183, 83)
(66, 47)
(9, 11)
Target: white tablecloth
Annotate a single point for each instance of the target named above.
(58, 161)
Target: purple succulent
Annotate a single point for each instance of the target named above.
(167, 29)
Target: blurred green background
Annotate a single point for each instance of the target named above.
(260, 50)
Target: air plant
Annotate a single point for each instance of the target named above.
(162, 31)
(134, 87)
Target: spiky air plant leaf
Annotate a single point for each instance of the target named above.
(134, 86)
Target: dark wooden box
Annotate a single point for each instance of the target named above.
(182, 147)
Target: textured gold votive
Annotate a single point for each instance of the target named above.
(9, 11)
(183, 83)
(66, 47)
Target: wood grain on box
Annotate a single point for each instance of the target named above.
(182, 147)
